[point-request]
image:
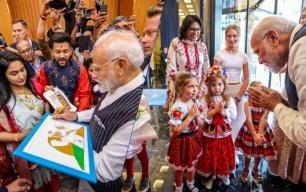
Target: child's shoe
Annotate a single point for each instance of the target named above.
(209, 183)
(191, 186)
(128, 184)
(144, 184)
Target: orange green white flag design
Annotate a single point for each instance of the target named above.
(69, 142)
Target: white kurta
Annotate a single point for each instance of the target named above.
(290, 128)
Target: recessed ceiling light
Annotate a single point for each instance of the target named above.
(181, 13)
(187, 1)
(189, 6)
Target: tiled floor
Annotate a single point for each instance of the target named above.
(162, 176)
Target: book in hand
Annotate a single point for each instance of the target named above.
(58, 100)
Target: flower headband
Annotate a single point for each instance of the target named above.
(217, 69)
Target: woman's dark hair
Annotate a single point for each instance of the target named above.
(59, 37)
(6, 58)
(188, 20)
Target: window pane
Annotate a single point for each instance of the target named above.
(258, 72)
(277, 81)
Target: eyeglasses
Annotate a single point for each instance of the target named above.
(28, 50)
(194, 29)
(99, 68)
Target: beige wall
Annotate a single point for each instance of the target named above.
(5, 26)
(27, 10)
(140, 10)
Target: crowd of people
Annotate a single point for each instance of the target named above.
(102, 70)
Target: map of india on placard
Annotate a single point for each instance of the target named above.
(69, 142)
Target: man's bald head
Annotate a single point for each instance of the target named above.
(117, 56)
(270, 41)
(276, 23)
(121, 43)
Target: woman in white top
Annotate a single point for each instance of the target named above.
(187, 54)
(235, 63)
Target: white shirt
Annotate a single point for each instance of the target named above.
(233, 64)
(110, 160)
(293, 123)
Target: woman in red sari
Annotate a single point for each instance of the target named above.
(21, 107)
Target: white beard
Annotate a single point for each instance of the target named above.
(100, 87)
(103, 87)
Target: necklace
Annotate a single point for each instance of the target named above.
(24, 96)
(189, 67)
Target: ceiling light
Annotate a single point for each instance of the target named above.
(191, 10)
(181, 14)
(187, 1)
(189, 6)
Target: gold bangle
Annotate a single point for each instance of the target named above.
(16, 137)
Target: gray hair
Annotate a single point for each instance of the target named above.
(22, 41)
(121, 43)
(279, 24)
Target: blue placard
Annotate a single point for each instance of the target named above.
(155, 97)
(20, 152)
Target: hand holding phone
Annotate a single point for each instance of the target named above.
(103, 9)
(57, 4)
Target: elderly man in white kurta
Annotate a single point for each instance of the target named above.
(277, 42)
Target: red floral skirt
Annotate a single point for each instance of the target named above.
(218, 158)
(184, 150)
(245, 144)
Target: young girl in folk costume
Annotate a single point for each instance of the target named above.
(255, 139)
(218, 158)
(20, 109)
(186, 135)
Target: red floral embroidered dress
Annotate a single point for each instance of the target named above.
(185, 56)
(184, 149)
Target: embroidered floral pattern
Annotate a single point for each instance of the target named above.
(185, 57)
